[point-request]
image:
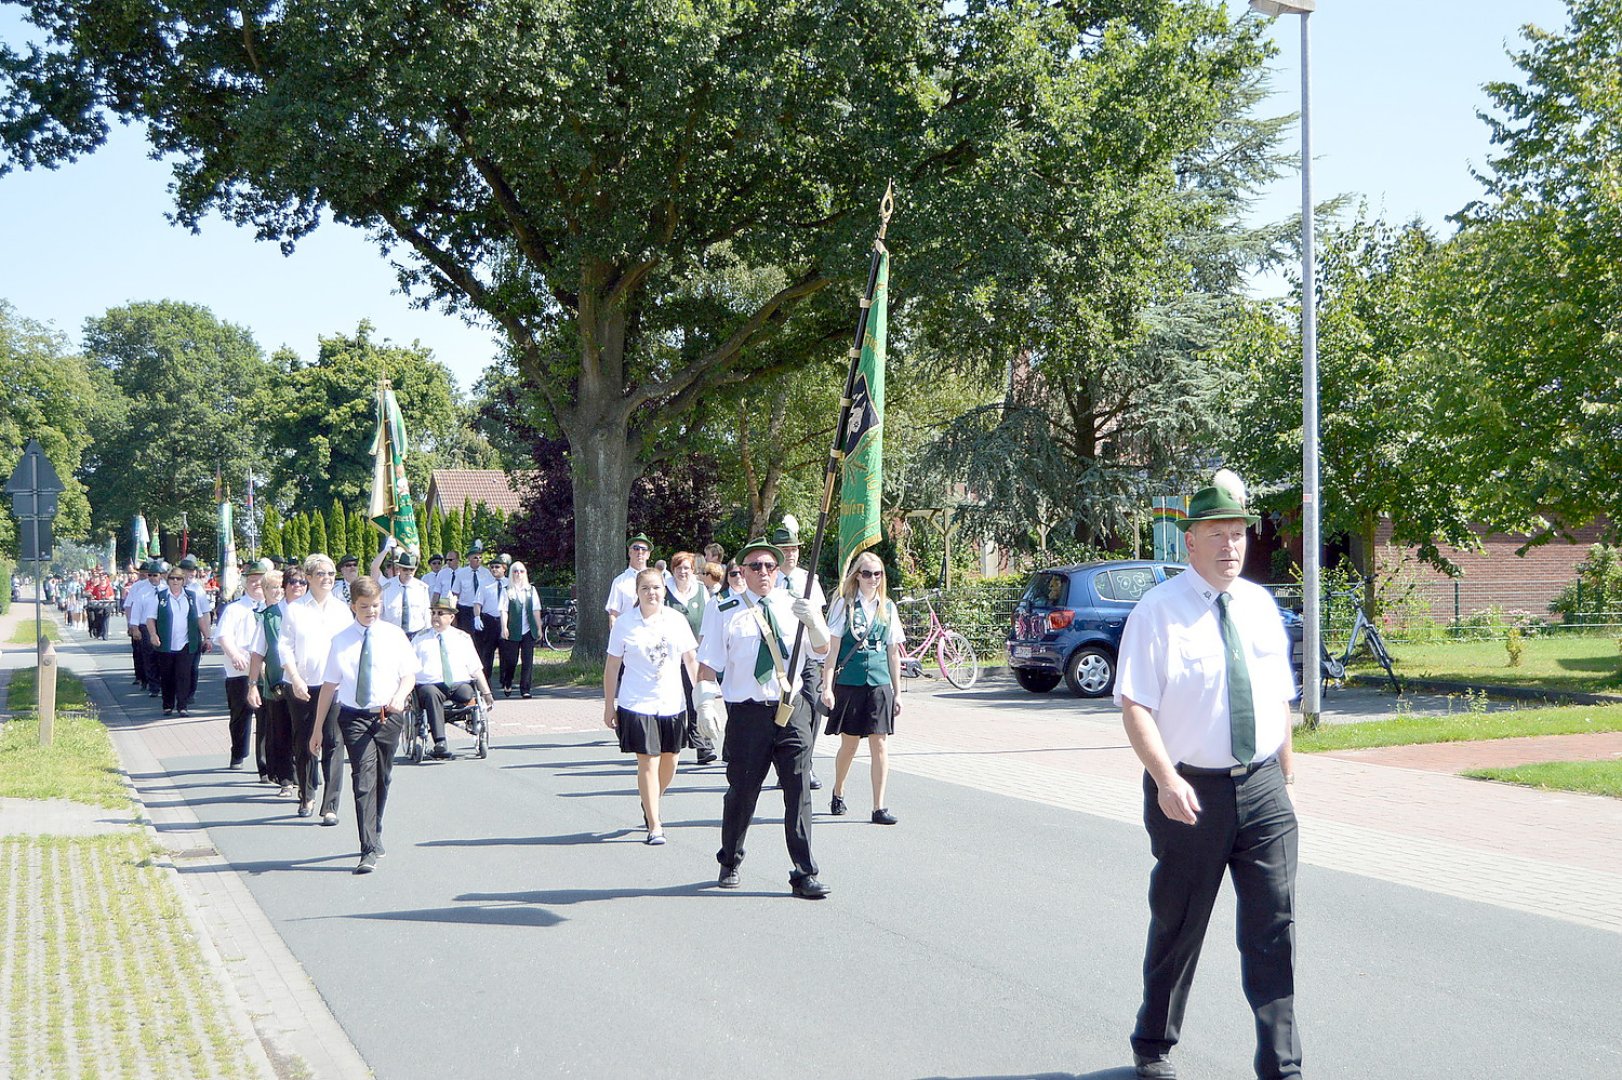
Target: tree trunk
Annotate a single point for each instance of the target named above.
(603, 466)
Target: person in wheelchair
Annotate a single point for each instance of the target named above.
(448, 671)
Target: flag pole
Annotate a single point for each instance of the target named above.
(836, 453)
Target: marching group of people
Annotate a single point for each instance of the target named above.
(322, 661)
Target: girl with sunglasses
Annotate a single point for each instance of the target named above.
(866, 639)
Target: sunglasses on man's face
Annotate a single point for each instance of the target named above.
(639, 547)
(760, 566)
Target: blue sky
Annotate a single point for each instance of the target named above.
(1396, 85)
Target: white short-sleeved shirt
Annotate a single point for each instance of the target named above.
(177, 623)
(439, 581)
(622, 594)
(397, 598)
(796, 582)
(1172, 662)
(392, 659)
(651, 650)
(731, 642)
(467, 582)
(238, 626)
(465, 666)
(205, 603)
(493, 597)
(870, 608)
(307, 633)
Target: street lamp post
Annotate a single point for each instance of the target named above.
(1311, 551)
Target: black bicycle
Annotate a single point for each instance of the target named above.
(559, 626)
(1364, 632)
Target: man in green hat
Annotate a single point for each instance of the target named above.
(238, 626)
(1204, 684)
(795, 578)
(749, 638)
(622, 594)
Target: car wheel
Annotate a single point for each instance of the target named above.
(1037, 680)
(1090, 672)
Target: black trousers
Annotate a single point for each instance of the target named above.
(433, 696)
(191, 678)
(323, 772)
(464, 619)
(370, 741)
(1247, 828)
(519, 655)
(486, 643)
(241, 714)
(138, 649)
(274, 739)
(174, 677)
(755, 744)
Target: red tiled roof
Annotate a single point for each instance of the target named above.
(450, 488)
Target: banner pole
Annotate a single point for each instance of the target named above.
(836, 453)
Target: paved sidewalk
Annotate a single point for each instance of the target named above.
(268, 992)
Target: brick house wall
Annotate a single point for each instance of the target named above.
(1494, 576)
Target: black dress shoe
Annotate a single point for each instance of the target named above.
(728, 878)
(809, 888)
(526, 695)
(707, 758)
(368, 863)
(1153, 1068)
(816, 785)
(837, 807)
(883, 817)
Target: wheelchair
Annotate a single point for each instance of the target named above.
(473, 717)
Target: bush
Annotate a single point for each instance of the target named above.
(1514, 646)
(1596, 595)
(6, 570)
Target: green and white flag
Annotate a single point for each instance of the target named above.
(391, 509)
(862, 479)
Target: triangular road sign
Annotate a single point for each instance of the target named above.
(24, 478)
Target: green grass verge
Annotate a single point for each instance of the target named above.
(1460, 727)
(78, 765)
(22, 693)
(24, 634)
(553, 667)
(1558, 662)
(1592, 777)
(104, 976)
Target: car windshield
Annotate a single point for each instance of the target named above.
(1048, 590)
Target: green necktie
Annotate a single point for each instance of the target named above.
(363, 671)
(1241, 707)
(444, 661)
(765, 667)
(273, 661)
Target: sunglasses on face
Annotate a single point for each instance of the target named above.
(176, 578)
(761, 566)
(324, 573)
(639, 547)
(870, 573)
(295, 583)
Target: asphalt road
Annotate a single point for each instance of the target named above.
(518, 928)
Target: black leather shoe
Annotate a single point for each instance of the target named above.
(837, 807)
(706, 759)
(368, 863)
(883, 817)
(728, 878)
(816, 785)
(809, 888)
(1154, 1068)
(441, 752)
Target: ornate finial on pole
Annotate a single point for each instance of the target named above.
(886, 207)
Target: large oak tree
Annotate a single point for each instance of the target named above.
(563, 169)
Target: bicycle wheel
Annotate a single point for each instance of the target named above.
(957, 660)
(1383, 655)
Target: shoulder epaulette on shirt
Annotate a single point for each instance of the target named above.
(727, 604)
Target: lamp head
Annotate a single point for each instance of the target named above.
(1275, 8)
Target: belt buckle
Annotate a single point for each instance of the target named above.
(1239, 770)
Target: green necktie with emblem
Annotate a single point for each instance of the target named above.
(444, 661)
(765, 667)
(363, 670)
(1241, 707)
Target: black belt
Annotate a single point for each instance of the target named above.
(1237, 770)
(345, 710)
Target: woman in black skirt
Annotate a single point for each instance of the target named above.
(650, 646)
(861, 693)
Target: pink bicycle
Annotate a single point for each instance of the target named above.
(953, 652)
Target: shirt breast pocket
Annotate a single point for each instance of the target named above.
(1200, 660)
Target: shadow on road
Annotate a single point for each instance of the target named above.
(1125, 1073)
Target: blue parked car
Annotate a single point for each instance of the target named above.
(1068, 624)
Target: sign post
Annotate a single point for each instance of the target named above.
(33, 488)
